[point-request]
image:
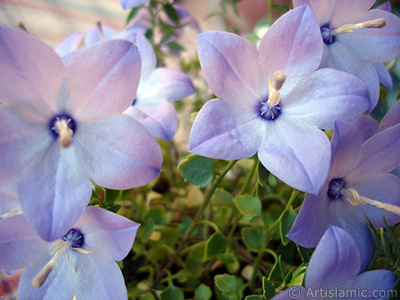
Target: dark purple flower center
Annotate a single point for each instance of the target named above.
(74, 236)
(327, 36)
(67, 118)
(268, 112)
(336, 187)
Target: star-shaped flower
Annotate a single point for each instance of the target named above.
(62, 126)
(334, 272)
(357, 39)
(273, 102)
(81, 263)
(359, 184)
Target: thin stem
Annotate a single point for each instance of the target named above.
(194, 223)
(270, 12)
(246, 183)
(266, 238)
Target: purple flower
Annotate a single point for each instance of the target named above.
(334, 273)
(359, 184)
(62, 126)
(357, 39)
(280, 119)
(81, 263)
(157, 86)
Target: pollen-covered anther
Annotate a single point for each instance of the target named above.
(349, 28)
(355, 199)
(274, 88)
(64, 133)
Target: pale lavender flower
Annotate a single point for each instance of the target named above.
(357, 39)
(359, 184)
(335, 272)
(128, 4)
(62, 127)
(273, 102)
(81, 263)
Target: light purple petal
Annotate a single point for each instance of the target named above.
(54, 190)
(375, 44)
(367, 126)
(127, 4)
(106, 232)
(19, 244)
(164, 85)
(346, 143)
(299, 51)
(24, 134)
(147, 55)
(341, 57)
(296, 292)
(93, 35)
(103, 79)
(30, 70)
(8, 201)
(161, 120)
(58, 285)
(231, 67)
(338, 13)
(222, 131)
(299, 156)
(378, 284)
(141, 29)
(380, 154)
(120, 152)
(324, 96)
(335, 261)
(311, 222)
(392, 117)
(383, 75)
(384, 188)
(70, 44)
(385, 6)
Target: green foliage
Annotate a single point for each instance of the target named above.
(172, 293)
(197, 170)
(215, 245)
(248, 206)
(229, 285)
(286, 223)
(253, 237)
(203, 292)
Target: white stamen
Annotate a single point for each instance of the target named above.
(11, 213)
(355, 199)
(274, 88)
(40, 279)
(349, 28)
(64, 133)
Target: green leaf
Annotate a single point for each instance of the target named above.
(305, 253)
(215, 245)
(197, 170)
(262, 174)
(225, 282)
(132, 14)
(392, 238)
(147, 296)
(248, 205)
(202, 292)
(112, 196)
(253, 297)
(172, 293)
(158, 215)
(221, 199)
(286, 224)
(252, 237)
(147, 230)
(376, 242)
(172, 13)
(193, 266)
(268, 289)
(228, 285)
(114, 208)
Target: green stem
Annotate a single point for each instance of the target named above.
(266, 238)
(194, 223)
(246, 183)
(270, 12)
